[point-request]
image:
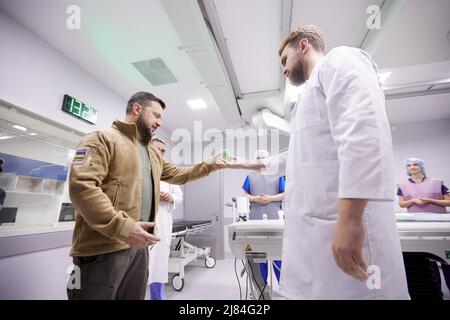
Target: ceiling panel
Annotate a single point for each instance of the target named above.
(418, 34)
(252, 32)
(342, 22)
(422, 108)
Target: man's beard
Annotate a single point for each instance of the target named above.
(297, 76)
(144, 130)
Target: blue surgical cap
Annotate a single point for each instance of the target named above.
(416, 161)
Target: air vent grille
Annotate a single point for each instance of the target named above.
(155, 71)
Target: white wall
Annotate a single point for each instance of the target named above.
(232, 187)
(35, 76)
(39, 275)
(428, 140)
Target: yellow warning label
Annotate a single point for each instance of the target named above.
(248, 248)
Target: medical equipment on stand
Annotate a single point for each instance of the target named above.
(184, 253)
(257, 241)
(240, 208)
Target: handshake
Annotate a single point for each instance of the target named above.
(224, 161)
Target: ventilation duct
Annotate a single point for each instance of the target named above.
(417, 89)
(265, 119)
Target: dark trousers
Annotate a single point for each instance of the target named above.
(118, 275)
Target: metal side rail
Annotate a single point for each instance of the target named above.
(183, 253)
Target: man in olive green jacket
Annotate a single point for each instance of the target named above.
(114, 186)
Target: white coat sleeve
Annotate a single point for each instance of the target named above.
(177, 196)
(357, 117)
(275, 165)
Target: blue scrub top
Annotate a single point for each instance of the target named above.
(281, 184)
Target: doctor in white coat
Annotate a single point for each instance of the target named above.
(340, 238)
(170, 197)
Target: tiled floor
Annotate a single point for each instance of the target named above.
(218, 283)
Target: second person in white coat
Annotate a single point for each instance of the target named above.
(170, 196)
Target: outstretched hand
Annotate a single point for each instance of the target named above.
(217, 163)
(241, 163)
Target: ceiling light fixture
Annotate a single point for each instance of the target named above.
(19, 127)
(197, 104)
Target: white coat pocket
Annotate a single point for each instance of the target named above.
(320, 197)
(308, 113)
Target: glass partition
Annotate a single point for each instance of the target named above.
(33, 182)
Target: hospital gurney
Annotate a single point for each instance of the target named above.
(183, 253)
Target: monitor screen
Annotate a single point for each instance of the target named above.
(8, 215)
(67, 212)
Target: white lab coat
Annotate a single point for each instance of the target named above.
(340, 147)
(159, 254)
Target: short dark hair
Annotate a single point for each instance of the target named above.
(144, 99)
(159, 140)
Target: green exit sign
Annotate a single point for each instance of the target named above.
(79, 109)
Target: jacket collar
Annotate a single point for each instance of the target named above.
(128, 129)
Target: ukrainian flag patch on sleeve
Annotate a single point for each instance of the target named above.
(80, 156)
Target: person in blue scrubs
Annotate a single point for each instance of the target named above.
(266, 194)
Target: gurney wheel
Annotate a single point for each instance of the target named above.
(210, 262)
(177, 283)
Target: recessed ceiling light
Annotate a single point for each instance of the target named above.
(33, 134)
(197, 104)
(5, 137)
(383, 76)
(19, 127)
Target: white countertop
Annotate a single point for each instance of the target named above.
(13, 230)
